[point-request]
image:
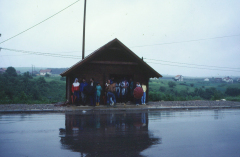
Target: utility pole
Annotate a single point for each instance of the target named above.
(84, 19)
(32, 70)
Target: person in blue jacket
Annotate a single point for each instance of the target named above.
(83, 95)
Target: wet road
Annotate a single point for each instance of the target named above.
(156, 133)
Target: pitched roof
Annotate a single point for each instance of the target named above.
(99, 50)
(178, 75)
(44, 71)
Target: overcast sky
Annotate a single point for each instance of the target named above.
(167, 33)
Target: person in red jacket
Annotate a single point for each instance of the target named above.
(138, 93)
(76, 89)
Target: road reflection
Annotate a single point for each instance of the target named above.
(115, 134)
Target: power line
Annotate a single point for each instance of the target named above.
(177, 42)
(74, 51)
(51, 53)
(79, 57)
(192, 67)
(191, 64)
(44, 54)
(40, 22)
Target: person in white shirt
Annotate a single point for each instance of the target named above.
(124, 86)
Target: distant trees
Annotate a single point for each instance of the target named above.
(47, 75)
(11, 72)
(171, 84)
(27, 75)
(24, 89)
(232, 91)
(63, 78)
(170, 94)
(58, 70)
(162, 88)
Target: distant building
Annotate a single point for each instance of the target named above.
(2, 70)
(44, 72)
(18, 72)
(35, 73)
(238, 80)
(178, 78)
(218, 79)
(206, 79)
(228, 79)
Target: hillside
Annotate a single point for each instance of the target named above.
(190, 90)
(29, 69)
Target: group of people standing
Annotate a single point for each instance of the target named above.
(121, 92)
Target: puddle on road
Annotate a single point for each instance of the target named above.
(154, 133)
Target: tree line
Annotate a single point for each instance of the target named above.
(171, 94)
(26, 89)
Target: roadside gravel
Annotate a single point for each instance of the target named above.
(151, 105)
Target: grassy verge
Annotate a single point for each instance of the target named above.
(169, 90)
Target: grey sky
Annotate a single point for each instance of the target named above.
(143, 26)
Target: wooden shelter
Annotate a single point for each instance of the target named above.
(113, 59)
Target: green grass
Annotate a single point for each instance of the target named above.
(185, 90)
(233, 98)
(154, 85)
(49, 79)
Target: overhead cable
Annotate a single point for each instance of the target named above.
(177, 42)
(79, 57)
(191, 64)
(40, 22)
(44, 54)
(193, 67)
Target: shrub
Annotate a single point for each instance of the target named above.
(24, 89)
(63, 78)
(162, 88)
(221, 85)
(169, 97)
(183, 84)
(153, 96)
(171, 84)
(47, 75)
(11, 71)
(191, 84)
(233, 98)
(232, 91)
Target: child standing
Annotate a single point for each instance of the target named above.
(144, 87)
(99, 90)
